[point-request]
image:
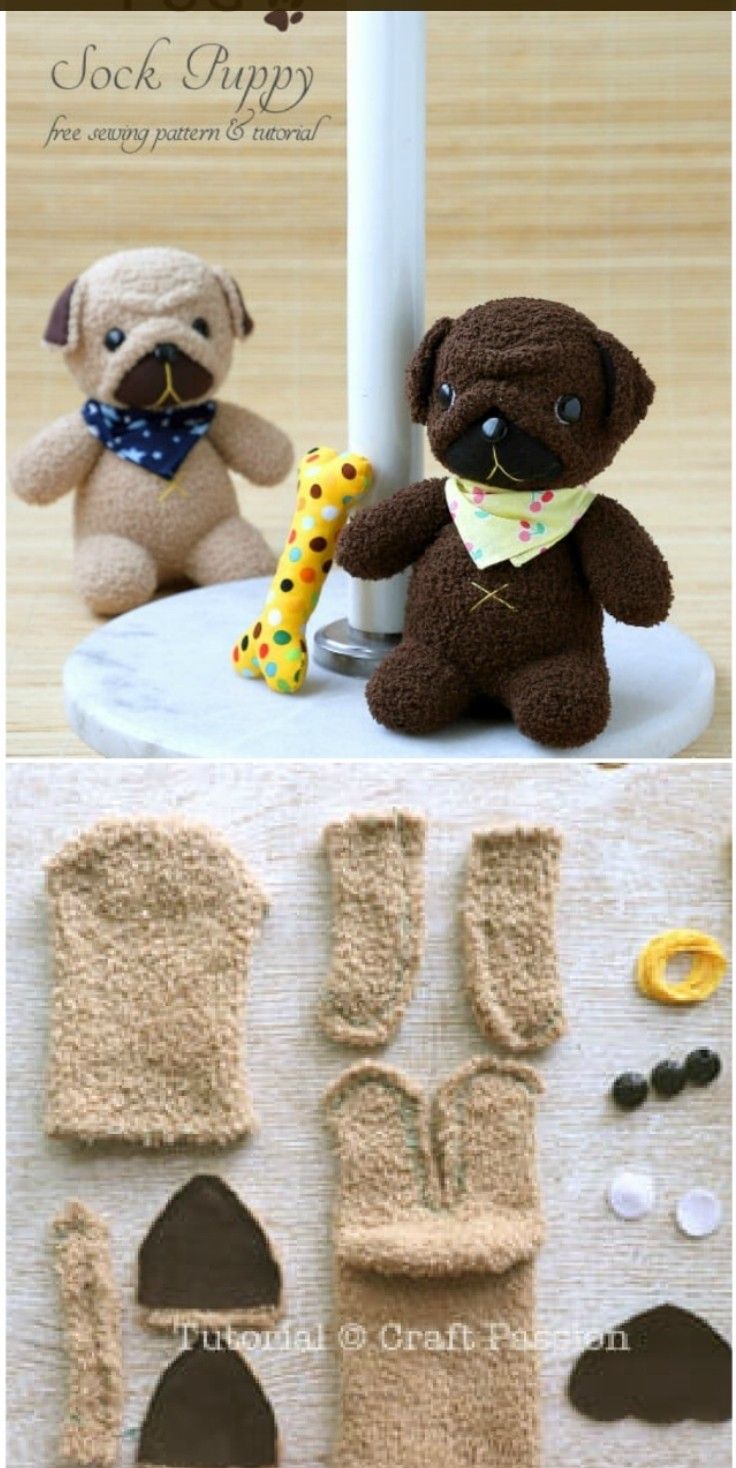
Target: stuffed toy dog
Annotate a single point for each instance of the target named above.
(516, 558)
(148, 334)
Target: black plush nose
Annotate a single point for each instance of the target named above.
(494, 429)
(166, 352)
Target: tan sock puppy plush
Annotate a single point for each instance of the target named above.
(437, 1225)
(148, 334)
(152, 926)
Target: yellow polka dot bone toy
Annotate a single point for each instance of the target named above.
(274, 647)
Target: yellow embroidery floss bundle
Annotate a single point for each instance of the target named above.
(707, 971)
(274, 647)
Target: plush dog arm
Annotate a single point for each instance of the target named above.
(388, 537)
(622, 565)
(56, 461)
(251, 445)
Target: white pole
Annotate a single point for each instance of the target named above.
(386, 147)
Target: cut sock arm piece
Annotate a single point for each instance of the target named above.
(376, 864)
(91, 1312)
(153, 923)
(437, 1224)
(508, 925)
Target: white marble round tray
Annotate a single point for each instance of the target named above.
(158, 683)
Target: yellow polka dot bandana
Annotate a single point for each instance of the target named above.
(510, 524)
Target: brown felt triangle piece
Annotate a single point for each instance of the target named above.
(206, 1261)
(208, 1411)
(665, 1365)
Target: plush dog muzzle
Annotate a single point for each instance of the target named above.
(164, 378)
(494, 451)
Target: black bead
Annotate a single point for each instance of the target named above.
(668, 1078)
(702, 1066)
(629, 1090)
(114, 338)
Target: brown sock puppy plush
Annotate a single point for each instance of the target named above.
(508, 923)
(437, 1225)
(153, 922)
(515, 557)
(378, 924)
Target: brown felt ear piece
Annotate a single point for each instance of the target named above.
(420, 370)
(91, 1312)
(207, 1262)
(241, 320)
(61, 328)
(437, 1224)
(153, 923)
(208, 1411)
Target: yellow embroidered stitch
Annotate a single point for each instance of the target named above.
(491, 594)
(707, 971)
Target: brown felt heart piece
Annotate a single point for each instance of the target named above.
(665, 1365)
(279, 18)
(206, 1261)
(208, 1411)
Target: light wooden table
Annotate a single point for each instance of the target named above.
(579, 155)
(646, 848)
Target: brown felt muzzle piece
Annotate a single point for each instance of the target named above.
(208, 1411)
(206, 1260)
(165, 377)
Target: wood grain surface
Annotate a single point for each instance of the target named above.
(646, 847)
(575, 154)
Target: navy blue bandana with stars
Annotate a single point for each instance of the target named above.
(158, 442)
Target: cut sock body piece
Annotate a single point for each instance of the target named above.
(153, 922)
(508, 925)
(437, 1225)
(91, 1312)
(378, 924)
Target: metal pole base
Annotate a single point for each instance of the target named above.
(344, 649)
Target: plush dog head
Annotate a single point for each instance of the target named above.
(149, 328)
(525, 394)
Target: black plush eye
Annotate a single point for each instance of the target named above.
(199, 324)
(445, 395)
(568, 409)
(114, 339)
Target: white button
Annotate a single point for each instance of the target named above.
(631, 1194)
(698, 1213)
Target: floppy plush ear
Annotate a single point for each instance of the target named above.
(420, 371)
(242, 322)
(62, 327)
(628, 388)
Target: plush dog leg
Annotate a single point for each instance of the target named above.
(92, 1329)
(113, 574)
(415, 692)
(508, 926)
(153, 922)
(378, 924)
(561, 701)
(233, 551)
(435, 1265)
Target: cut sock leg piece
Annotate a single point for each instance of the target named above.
(437, 1226)
(508, 924)
(153, 923)
(91, 1312)
(376, 862)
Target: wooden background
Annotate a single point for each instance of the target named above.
(580, 155)
(646, 847)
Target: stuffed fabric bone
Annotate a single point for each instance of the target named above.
(437, 1226)
(148, 334)
(515, 557)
